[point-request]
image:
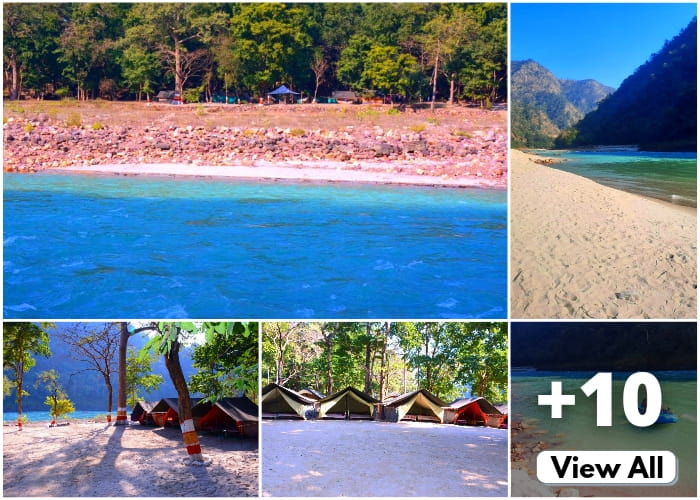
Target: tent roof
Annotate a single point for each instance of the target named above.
(485, 406)
(146, 406)
(240, 409)
(399, 400)
(314, 393)
(282, 90)
(289, 392)
(358, 393)
(164, 404)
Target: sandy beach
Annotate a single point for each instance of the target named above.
(583, 250)
(362, 458)
(96, 460)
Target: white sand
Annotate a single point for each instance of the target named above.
(582, 250)
(96, 460)
(321, 171)
(362, 458)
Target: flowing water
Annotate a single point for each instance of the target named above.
(114, 247)
(10, 417)
(670, 177)
(577, 429)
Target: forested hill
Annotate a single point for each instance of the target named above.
(202, 49)
(655, 107)
(543, 105)
(86, 389)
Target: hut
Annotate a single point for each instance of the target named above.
(346, 97)
(165, 412)
(283, 94)
(418, 406)
(280, 402)
(349, 403)
(142, 412)
(311, 393)
(238, 415)
(476, 411)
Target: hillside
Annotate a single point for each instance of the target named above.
(655, 107)
(544, 105)
(86, 388)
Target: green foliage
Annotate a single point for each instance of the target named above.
(139, 376)
(191, 96)
(20, 342)
(57, 400)
(96, 126)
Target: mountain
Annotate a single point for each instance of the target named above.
(654, 108)
(87, 388)
(543, 105)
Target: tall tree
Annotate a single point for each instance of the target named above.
(96, 345)
(19, 342)
(388, 70)
(139, 376)
(121, 391)
(482, 357)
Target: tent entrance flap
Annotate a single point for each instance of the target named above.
(346, 403)
(278, 402)
(420, 405)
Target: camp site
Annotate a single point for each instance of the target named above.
(391, 409)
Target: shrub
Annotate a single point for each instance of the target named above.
(191, 96)
(297, 132)
(420, 127)
(392, 111)
(97, 126)
(74, 120)
(461, 133)
(28, 127)
(62, 93)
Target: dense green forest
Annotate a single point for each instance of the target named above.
(207, 365)
(448, 359)
(126, 51)
(543, 105)
(655, 107)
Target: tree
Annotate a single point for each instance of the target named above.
(274, 43)
(140, 68)
(227, 362)
(139, 376)
(96, 345)
(20, 341)
(482, 357)
(57, 400)
(388, 70)
(176, 32)
(121, 390)
(319, 66)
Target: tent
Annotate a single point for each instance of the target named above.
(165, 412)
(348, 403)
(283, 91)
(420, 406)
(142, 412)
(232, 414)
(311, 393)
(280, 402)
(476, 411)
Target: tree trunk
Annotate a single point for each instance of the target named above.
(189, 435)
(435, 75)
(19, 386)
(382, 373)
(109, 399)
(121, 392)
(178, 68)
(368, 359)
(452, 89)
(15, 89)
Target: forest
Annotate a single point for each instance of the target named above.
(450, 360)
(655, 107)
(423, 51)
(85, 360)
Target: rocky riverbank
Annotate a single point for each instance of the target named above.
(450, 150)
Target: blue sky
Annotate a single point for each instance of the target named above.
(605, 42)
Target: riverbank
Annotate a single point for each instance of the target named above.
(455, 146)
(583, 250)
(326, 458)
(97, 460)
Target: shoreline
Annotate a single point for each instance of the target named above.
(584, 250)
(322, 172)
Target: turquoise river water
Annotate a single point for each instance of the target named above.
(113, 247)
(577, 429)
(10, 417)
(670, 177)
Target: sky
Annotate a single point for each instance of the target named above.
(605, 42)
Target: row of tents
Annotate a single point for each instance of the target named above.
(419, 406)
(229, 415)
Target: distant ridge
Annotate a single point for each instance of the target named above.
(543, 105)
(655, 107)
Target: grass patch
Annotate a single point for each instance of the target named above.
(418, 128)
(370, 114)
(393, 111)
(74, 119)
(28, 127)
(297, 132)
(461, 133)
(97, 126)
